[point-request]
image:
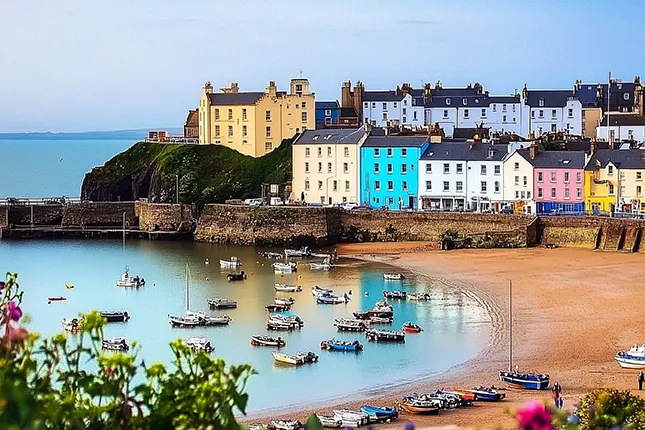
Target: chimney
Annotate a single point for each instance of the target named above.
(533, 149)
(346, 94)
(234, 88)
(359, 93)
(208, 88)
(592, 147)
(436, 133)
(525, 93)
(271, 90)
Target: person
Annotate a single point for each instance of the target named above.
(557, 398)
(641, 379)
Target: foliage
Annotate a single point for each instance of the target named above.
(47, 384)
(606, 408)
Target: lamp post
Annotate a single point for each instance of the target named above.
(177, 188)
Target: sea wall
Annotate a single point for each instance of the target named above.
(89, 214)
(165, 217)
(4, 216)
(37, 214)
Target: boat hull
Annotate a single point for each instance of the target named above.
(483, 396)
(376, 414)
(420, 410)
(518, 381)
(115, 316)
(628, 362)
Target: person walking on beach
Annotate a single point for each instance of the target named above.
(641, 379)
(557, 397)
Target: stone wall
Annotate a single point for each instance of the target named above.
(165, 217)
(4, 216)
(42, 214)
(99, 214)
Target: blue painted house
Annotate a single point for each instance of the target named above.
(327, 114)
(389, 171)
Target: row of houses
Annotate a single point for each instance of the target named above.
(366, 166)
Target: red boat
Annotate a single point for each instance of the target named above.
(410, 327)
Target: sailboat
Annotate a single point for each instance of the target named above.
(513, 377)
(193, 319)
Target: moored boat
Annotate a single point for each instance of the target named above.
(381, 309)
(330, 421)
(115, 344)
(221, 303)
(410, 327)
(351, 418)
(183, 321)
(236, 276)
(316, 290)
(274, 307)
(634, 358)
(279, 325)
(288, 301)
(326, 264)
(208, 320)
(399, 295)
(128, 281)
(331, 299)
(287, 288)
(116, 316)
(302, 252)
(419, 296)
(295, 359)
(294, 320)
(349, 324)
(232, 263)
(380, 413)
(285, 267)
(72, 325)
(393, 276)
(272, 255)
(198, 343)
(487, 394)
(380, 335)
(341, 345)
(263, 340)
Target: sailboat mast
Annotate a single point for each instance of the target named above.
(510, 319)
(187, 294)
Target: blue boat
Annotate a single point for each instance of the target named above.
(380, 413)
(528, 381)
(341, 345)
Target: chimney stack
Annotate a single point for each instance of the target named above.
(592, 148)
(533, 149)
(346, 94)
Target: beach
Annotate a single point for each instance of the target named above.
(572, 310)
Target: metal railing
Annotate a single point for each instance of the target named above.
(173, 139)
(38, 201)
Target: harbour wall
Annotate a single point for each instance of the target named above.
(4, 216)
(37, 215)
(90, 214)
(166, 217)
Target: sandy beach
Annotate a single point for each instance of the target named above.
(572, 310)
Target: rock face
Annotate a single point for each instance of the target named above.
(130, 187)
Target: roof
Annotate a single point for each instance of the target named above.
(556, 159)
(621, 158)
(395, 141)
(227, 99)
(383, 96)
(331, 136)
(623, 120)
(552, 98)
(466, 100)
(327, 105)
(192, 120)
(469, 133)
(347, 112)
(464, 152)
(587, 94)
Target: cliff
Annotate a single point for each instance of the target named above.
(207, 174)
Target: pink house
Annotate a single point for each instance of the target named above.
(558, 181)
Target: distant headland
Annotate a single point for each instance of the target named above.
(132, 134)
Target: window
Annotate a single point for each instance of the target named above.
(464, 102)
(494, 107)
(329, 168)
(482, 169)
(377, 185)
(541, 113)
(497, 186)
(404, 152)
(267, 115)
(639, 176)
(466, 113)
(346, 185)
(498, 169)
(570, 113)
(459, 186)
(245, 131)
(320, 184)
(539, 193)
(566, 177)
(554, 128)
(566, 193)
(630, 134)
(532, 114)
(460, 168)
(390, 200)
(541, 102)
(579, 177)
(377, 152)
(428, 168)
(414, 115)
(268, 146)
(268, 132)
(244, 114)
(346, 151)
(304, 116)
(306, 185)
(373, 105)
(217, 131)
(554, 113)
(517, 195)
(327, 112)
(638, 190)
(525, 181)
(384, 116)
(230, 114)
(610, 170)
(503, 118)
(389, 168)
(528, 194)
(517, 166)
(384, 106)
(404, 185)
(405, 102)
(517, 180)
(307, 167)
(483, 113)
(553, 193)
(404, 110)
(446, 186)
(329, 151)
(345, 199)
(626, 96)
(404, 169)
(335, 185)
(539, 177)
(445, 113)
(405, 120)
(376, 168)
(448, 102)
(513, 108)
(390, 186)
(483, 186)
(319, 151)
(390, 152)
(345, 168)
(428, 185)
(578, 193)
(553, 176)
(504, 107)
(446, 168)
(366, 105)
(319, 167)
(216, 114)
(367, 120)
(304, 104)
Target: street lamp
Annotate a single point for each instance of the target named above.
(177, 188)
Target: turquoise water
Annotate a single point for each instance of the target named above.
(456, 327)
(51, 167)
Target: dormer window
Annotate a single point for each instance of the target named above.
(328, 137)
(619, 86)
(464, 101)
(315, 137)
(448, 101)
(626, 96)
(541, 102)
(610, 170)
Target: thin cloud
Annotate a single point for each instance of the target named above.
(416, 22)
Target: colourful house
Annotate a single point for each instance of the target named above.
(327, 114)
(389, 171)
(558, 181)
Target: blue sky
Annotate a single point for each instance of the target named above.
(76, 65)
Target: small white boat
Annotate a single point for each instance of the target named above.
(326, 264)
(198, 343)
(115, 344)
(330, 421)
(419, 296)
(302, 252)
(316, 291)
(287, 425)
(272, 255)
(331, 299)
(72, 325)
(288, 302)
(632, 359)
(350, 324)
(216, 320)
(232, 263)
(351, 418)
(293, 320)
(393, 276)
(128, 281)
(220, 303)
(285, 267)
(287, 288)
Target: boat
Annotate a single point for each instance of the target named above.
(73, 325)
(333, 421)
(381, 320)
(512, 377)
(381, 309)
(285, 267)
(420, 407)
(316, 290)
(393, 276)
(286, 425)
(351, 418)
(56, 299)
(289, 301)
(341, 345)
(295, 359)
(274, 307)
(326, 264)
(321, 255)
(419, 296)
(465, 398)
(487, 394)
(331, 299)
(399, 295)
(410, 327)
(287, 288)
(232, 263)
(263, 340)
(634, 358)
(272, 255)
(380, 335)
(128, 281)
(258, 427)
(294, 320)
(116, 316)
(185, 321)
(208, 320)
(220, 303)
(279, 325)
(198, 343)
(380, 413)
(115, 344)
(236, 276)
(348, 324)
(302, 252)
(69, 286)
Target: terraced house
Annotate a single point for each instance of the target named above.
(558, 178)
(255, 123)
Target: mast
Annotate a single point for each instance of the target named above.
(187, 294)
(510, 318)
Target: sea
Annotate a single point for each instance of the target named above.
(456, 327)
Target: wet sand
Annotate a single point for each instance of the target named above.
(572, 310)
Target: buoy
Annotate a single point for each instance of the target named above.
(366, 294)
(251, 273)
(207, 262)
(207, 279)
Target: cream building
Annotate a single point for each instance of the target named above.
(518, 180)
(255, 123)
(326, 165)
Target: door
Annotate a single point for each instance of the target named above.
(330, 201)
(411, 202)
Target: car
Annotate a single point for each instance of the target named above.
(234, 202)
(348, 206)
(254, 202)
(276, 201)
(506, 210)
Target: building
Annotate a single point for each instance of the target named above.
(397, 108)
(614, 181)
(326, 165)
(518, 179)
(327, 114)
(484, 176)
(255, 123)
(191, 127)
(553, 111)
(389, 171)
(558, 178)
(624, 127)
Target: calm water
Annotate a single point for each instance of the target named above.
(455, 326)
(33, 168)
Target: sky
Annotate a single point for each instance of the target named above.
(79, 65)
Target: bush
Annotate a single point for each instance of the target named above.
(606, 408)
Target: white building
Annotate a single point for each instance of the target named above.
(552, 111)
(518, 180)
(484, 177)
(381, 108)
(623, 127)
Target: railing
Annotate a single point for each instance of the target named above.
(38, 201)
(173, 139)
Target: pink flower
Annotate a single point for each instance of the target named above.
(15, 313)
(534, 416)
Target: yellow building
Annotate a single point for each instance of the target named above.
(614, 181)
(255, 123)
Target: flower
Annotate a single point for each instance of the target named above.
(15, 313)
(534, 416)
